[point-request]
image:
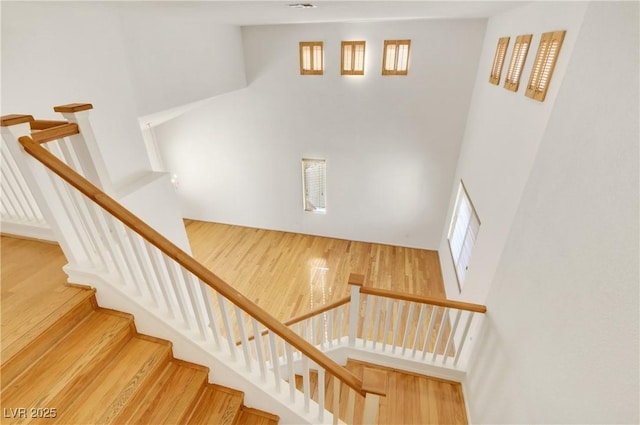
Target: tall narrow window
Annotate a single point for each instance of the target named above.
(498, 60)
(519, 55)
(314, 185)
(311, 58)
(462, 233)
(395, 57)
(548, 50)
(353, 58)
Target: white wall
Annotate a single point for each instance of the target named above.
(561, 343)
(61, 52)
(502, 135)
(177, 54)
(391, 143)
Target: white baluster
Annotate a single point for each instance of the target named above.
(423, 308)
(275, 359)
(243, 337)
(306, 383)
(321, 395)
(205, 292)
(178, 289)
(387, 319)
(355, 281)
(408, 325)
(292, 377)
(451, 335)
(441, 330)
(143, 265)
(368, 300)
(222, 304)
(427, 337)
(336, 400)
(159, 280)
(376, 321)
(396, 332)
(259, 348)
(464, 337)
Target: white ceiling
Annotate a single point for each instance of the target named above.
(269, 12)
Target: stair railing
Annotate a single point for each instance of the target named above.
(155, 272)
(428, 330)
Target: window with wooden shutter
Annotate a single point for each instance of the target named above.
(498, 60)
(352, 58)
(311, 58)
(463, 231)
(545, 62)
(314, 185)
(518, 57)
(395, 57)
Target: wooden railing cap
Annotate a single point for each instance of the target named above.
(14, 119)
(374, 381)
(73, 107)
(356, 279)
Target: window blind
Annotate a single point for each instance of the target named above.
(518, 57)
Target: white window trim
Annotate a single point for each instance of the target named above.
(471, 229)
(307, 203)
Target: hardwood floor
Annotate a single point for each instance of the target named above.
(289, 274)
(411, 399)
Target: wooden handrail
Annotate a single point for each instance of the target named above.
(188, 262)
(315, 312)
(55, 133)
(476, 308)
(45, 124)
(14, 119)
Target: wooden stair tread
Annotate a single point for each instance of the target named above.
(65, 369)
(130, 371)
(251, 416)
(171, 398)
(17, 356)
(218, 405)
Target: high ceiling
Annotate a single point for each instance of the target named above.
(278, 12)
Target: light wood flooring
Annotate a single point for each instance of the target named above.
(411, 398)
(289, 274)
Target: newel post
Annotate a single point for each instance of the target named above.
(374, 383)
(356, 281)
(85, 145)
(42, 189)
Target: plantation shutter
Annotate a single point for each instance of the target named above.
(518, 57)
(498, 60)
(545, 62)
(462, 234)
(314, 184)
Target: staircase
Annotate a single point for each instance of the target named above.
(72, 362)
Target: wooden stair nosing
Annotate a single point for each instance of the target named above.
(265, 417)
(16, 359)
(227, 401)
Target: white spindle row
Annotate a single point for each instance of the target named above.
(17, 202)
(413, 329)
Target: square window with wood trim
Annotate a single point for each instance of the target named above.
(498, 60)
(395, 57)
(311, 58)
(463, 231)
(518, 57)
(314, 185)
(352, 62)
(544, 64)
